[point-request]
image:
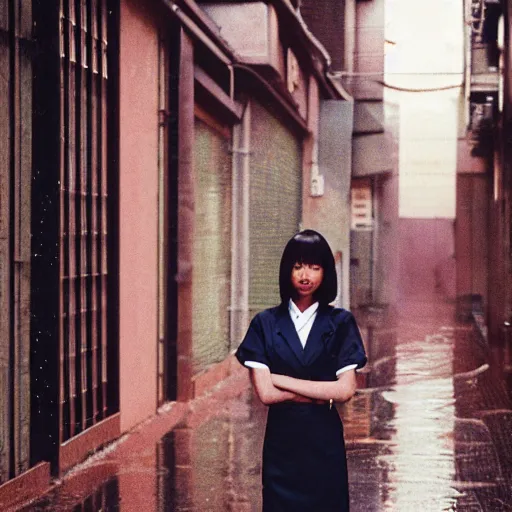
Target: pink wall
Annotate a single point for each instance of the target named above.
(426, 259)
(138, 213)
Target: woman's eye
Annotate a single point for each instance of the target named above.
(316, 267)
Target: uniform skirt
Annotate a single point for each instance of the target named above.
(304, 460)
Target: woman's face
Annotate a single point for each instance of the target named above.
(306, 279)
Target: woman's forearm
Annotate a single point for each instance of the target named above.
(276, 395)
(341, 390)
(270, 394)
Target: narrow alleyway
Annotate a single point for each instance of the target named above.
(432, 433)
(432, 430)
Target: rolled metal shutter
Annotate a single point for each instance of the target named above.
(212, 247)
(275, 202)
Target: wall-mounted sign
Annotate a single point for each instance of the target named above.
(361, 207)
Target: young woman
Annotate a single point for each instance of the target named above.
(302, 356)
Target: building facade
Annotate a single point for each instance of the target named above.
(484, 175)
(157, 156)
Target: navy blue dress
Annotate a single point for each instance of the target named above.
(304, 460)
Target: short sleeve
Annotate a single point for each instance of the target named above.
(252, 348)
(351, 344)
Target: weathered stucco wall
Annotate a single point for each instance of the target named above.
(138, 219)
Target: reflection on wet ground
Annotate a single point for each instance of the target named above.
(105, 497)
(431, 432)
(437, 431)
(220, 461)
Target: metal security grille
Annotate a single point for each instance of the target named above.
(212, 248)
(84, 203)
(16, 48)
(275, 203)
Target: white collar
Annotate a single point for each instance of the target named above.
(301, 318)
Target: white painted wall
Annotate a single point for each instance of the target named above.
(424, 50)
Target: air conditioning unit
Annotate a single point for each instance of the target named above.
(252, 30)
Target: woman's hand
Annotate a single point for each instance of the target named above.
(301, 399)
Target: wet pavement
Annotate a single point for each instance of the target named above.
(438, 419)
(432, 431)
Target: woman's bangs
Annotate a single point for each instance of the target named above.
(308, 253)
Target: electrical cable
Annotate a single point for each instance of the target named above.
(339, 75)
(410, 89)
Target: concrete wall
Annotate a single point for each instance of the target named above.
(138, 217)
(370, 152)
(386, 254)
(332, 122)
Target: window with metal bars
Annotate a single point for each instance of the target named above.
(84, 216)
(74, 287)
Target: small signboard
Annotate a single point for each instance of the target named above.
(361, 208)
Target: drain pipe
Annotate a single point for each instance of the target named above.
(240, 233)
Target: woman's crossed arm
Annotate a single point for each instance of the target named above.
(268, 393)
(340, 390)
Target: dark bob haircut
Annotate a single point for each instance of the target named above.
(312, 248)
